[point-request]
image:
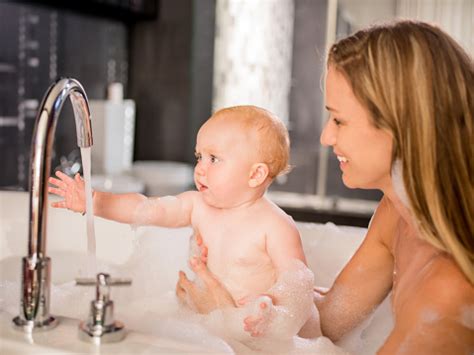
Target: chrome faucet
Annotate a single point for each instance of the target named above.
(36, 280)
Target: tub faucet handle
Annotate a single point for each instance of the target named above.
(88, 281)
(101, 326)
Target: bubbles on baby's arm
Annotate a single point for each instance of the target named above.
(143, 214)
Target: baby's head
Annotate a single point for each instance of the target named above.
(264, 133)
(245, 147)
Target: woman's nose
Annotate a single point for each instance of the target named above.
(328, 135)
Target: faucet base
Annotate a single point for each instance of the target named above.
(28, 326)
(101, 334)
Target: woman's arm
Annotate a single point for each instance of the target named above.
(365, 281)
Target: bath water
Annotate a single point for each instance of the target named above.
(150, 306)
(91, 269)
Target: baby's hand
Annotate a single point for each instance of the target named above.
(257, 324)
(72, 190)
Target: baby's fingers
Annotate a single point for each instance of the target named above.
(56, 191)
(63, 177)
(78, 179)
(57, 182)
(59, 204)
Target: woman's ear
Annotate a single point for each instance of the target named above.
(258, 174)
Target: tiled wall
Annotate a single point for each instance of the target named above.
(40, 44)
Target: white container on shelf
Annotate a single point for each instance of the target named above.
(113, 129)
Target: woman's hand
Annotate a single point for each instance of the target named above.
(72, 190)
(206, 297)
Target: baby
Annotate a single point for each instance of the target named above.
(250, 241)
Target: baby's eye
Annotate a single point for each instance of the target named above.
(214, 159)
(198, 156)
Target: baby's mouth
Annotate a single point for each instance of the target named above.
(202, 188)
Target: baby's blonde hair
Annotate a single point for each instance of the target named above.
(272, 136)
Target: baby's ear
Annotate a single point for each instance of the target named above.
(258, 174)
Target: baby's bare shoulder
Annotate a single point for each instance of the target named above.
(278, 224)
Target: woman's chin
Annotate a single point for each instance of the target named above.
(350, 184)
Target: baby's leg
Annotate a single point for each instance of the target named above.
(294, 313)
(312, 327)
(263, 311)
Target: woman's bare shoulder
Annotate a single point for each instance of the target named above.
(438, 317)
(452, 290)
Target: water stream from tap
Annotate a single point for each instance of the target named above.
(91, 254)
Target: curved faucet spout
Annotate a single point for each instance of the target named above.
(34, 310)
(41, 148)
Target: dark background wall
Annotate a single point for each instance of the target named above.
(158, 56)
(39, 44)
(171, 78)
(164, 58)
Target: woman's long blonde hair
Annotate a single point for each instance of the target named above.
(418, 83)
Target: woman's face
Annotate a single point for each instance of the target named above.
(364, 151)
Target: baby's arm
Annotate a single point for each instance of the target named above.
(288, 307)
(132, 208)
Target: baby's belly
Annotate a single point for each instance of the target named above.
(247, 281)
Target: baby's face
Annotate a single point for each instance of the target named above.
(225, 154)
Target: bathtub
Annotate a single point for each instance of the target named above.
(151, 257)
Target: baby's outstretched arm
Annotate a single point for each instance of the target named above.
(132, 208)
(117, 207)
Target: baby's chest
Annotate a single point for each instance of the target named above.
(230, 245)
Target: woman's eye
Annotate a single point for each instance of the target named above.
(337, 122)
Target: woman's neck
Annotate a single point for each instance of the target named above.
(405, 212)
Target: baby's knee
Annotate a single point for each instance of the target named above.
(312, 327)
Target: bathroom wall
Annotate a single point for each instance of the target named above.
(39, 44)
(171, 78)
(166, 65)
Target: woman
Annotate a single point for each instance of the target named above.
(401, 103)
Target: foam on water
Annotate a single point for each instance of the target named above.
(150, 304)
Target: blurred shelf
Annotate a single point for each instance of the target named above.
(124, 10)
(312, 208)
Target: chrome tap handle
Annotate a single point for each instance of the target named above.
(88, 281)
(101, 325)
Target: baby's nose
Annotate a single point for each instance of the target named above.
(199, 169)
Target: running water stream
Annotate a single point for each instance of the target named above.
(91, 268)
